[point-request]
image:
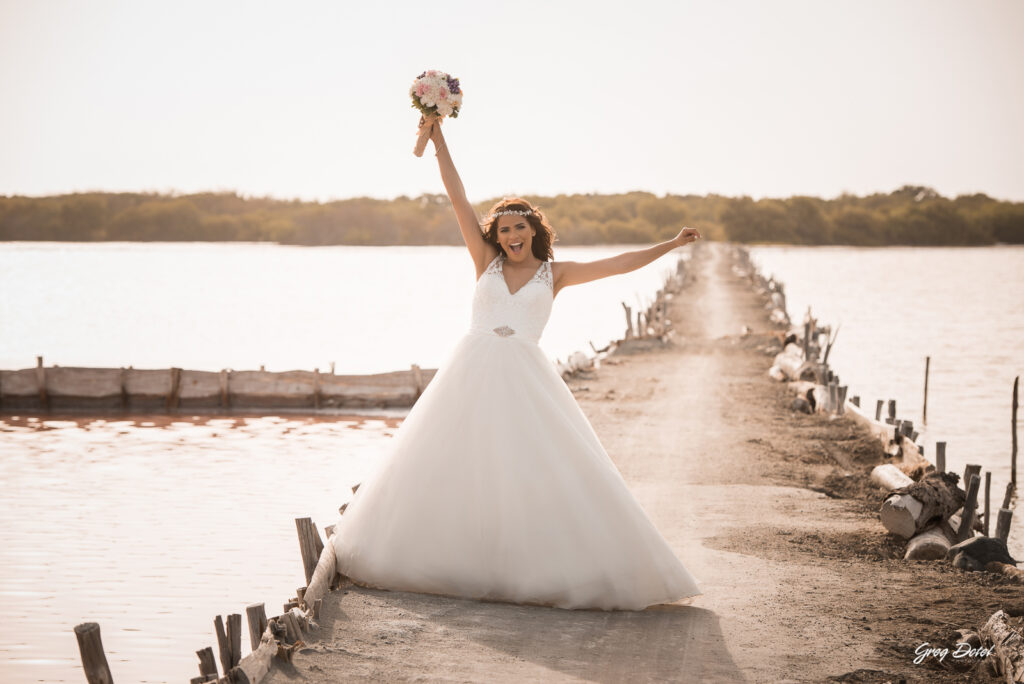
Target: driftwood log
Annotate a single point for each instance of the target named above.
(910, 509)
(931, 544)
(1011, 571)
(889, 477)
(1008, 645)
(256, 665)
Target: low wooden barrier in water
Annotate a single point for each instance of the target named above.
(177, 390)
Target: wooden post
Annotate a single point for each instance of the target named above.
(892, 412)
(307, 545)
(174, 395)
(235, 638)
(207, 665)
(988, 488)
(124, 389)
(44, 398)
(967, 521)
(855, 400)
(940, 456)
(878, 411)
(1003, 524)
(971, 469)
(417, 376)
(924, 410)
(256, 616)
(90, 647)
(318, 541)
(807, 338)
(316, 389)
(292, 626)
(224, 398)
(222, 644)
(1013, 435)
(629, 320)
(842, 399)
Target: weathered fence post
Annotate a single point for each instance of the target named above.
(44, 398)
(307, 545)
(256, 616)
(1013, 432)
(207, 665)
(988, 488)
(175, 393)
(924, 410)
(967, 521)
(90, 647)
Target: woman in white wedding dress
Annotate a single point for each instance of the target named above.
(495, 486)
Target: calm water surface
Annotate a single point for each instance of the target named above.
(210, 306)
(153, 525)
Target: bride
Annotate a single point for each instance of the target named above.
(496, 486)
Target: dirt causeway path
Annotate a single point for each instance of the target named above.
(769, 509)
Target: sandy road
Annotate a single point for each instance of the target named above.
(707, 445)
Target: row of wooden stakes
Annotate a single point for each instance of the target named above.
(938, 519)
(651, 323)
(276, 637)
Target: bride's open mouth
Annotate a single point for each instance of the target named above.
(515, 247)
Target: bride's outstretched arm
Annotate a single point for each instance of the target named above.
(574, 273)
(464, 212)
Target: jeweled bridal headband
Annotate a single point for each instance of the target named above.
(507, 212)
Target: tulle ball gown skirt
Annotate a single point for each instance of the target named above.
(496, 487)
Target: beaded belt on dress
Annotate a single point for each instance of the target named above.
(500, 331)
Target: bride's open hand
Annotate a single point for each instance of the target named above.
(686, 236)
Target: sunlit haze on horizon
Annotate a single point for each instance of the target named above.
(309, 100)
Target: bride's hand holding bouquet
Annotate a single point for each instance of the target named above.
(436, 95)
(686, 236)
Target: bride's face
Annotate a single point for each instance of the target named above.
(515, 235)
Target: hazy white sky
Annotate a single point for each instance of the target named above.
(310, 99)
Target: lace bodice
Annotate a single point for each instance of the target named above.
(523, 313)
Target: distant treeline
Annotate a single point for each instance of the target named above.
(911, 215)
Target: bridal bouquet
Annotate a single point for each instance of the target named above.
(436, 95)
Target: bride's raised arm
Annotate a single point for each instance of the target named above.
(574, 272)
(481, 252)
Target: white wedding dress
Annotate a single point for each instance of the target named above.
(496, 486)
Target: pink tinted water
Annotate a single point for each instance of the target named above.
(153, 525)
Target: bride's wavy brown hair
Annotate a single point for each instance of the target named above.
(542, 241)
